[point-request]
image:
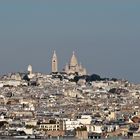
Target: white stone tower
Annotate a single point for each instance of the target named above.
(54, 63)
(30, 69)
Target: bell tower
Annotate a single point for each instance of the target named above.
(54, 63)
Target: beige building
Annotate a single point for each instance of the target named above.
(73, 67)
(52, 125)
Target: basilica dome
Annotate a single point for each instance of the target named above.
(73, 61)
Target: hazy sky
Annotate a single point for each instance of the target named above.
(105, 34)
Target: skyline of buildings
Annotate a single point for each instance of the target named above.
(73, 67)
(41, 105)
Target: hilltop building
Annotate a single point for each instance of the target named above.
(73, 67)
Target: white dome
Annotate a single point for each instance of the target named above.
(30, 68)
(73, 61)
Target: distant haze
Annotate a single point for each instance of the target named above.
(105, 35)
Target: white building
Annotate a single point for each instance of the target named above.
(72, 124)
(85, 119)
